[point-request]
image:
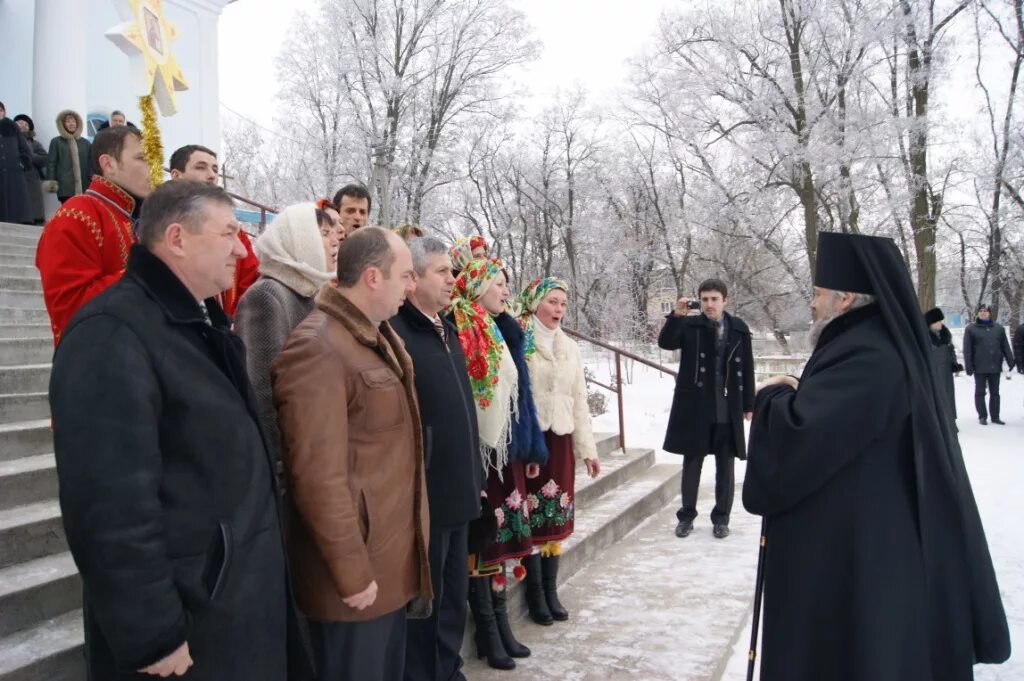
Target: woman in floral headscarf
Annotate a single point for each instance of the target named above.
(511, 446)
(560, 393)
(467, 248)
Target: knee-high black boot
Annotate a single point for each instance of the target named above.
(488, 641)
(535, 600)
(549, 577)
(508, 639)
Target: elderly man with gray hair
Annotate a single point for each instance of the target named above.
(454, 473)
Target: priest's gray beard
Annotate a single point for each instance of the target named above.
(817, 327)
(829, 314)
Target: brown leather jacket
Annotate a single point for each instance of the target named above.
(353, 456)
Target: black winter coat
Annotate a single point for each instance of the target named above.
(985, 348)
(15, 158)
(944, 357)
(852, 593)
(166, 489)
(692, 418)
(455, 473)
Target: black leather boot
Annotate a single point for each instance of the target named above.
(535, 600)
(488, 641)
(549, 575)
(508, 639)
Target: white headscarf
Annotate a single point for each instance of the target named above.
(291, 250)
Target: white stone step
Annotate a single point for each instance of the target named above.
(26, 378)
(21, 351)
(31, 531)
(18, 240)
(17, 259)
(25, 329)
(27, 480)
(27, 284)
(25, 438)
(24, 407)
(23, 315)
(21, 299)
(37, 590)
(11, 229)
(22, 249)
(19, 271)
(49, 651)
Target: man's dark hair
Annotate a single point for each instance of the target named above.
(179, 159)
(115, 112)
(713, 285)
(180, 202)
(356, 191)
(368, 247)
(110, 142)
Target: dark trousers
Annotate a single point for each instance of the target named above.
(725, 479)
(360, 651)
(432, 650)
(991, 381)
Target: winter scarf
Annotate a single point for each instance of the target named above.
(529, 301)
(526, 440)
(461, 251)
(291, 250)
(72, 142)
(492, 372)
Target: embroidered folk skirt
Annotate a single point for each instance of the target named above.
(507, 497)
(551, 496)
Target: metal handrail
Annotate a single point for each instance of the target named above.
(255, 204)
(619, 354)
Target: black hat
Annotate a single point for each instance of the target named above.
(933, 315)
(24, 117)
(984, 307)
(839, 265)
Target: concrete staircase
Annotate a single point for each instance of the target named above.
(40, 591)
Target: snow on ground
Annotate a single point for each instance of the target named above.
(662, 608)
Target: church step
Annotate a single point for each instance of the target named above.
(23, 249)
(26, 378)
(27, 284)
(21, 299)
(38, 590)
(24, 330)
(21, 351)
(18, 240)
(616, 468)
(25, 315)
(25, 438)
(606, 443)
(11, 229)
(28, 271)
(49, 651)
(17, 259)
(31, 531)
(24, 407)
(27, 480)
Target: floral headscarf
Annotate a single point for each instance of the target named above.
(461, 251)
(529, 300)
(478, 334)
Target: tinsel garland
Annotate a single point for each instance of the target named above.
(152, 147)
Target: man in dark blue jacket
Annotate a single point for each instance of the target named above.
(985, 348)
(714, 394)
(455, 473)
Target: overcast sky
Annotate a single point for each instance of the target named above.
(585, 42)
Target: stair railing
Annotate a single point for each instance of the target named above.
(617, 389)
(259, 206)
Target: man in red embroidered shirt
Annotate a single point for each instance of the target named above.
(84, 247)
(196, 162)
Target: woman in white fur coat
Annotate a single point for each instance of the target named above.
(560, 393)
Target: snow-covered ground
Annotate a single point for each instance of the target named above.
(995, 461)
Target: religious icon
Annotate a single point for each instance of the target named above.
(154, 36)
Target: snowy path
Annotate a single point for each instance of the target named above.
(659, 608)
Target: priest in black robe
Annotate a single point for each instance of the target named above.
(876, 563)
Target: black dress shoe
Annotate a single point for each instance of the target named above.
(998, 421)
(720, 531)
(684, 528)
(983, 421)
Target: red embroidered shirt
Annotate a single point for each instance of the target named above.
(83, 249)
(247, 270)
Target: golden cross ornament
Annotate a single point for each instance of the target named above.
(145, 36)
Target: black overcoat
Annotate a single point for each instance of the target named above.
(166, 488)
(852, 591)
(455, 472)
(693, 406)
(944, 356)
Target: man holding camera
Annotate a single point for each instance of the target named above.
(714, 394)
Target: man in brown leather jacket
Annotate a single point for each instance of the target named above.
(352, 450)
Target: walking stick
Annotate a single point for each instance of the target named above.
(758, 593)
